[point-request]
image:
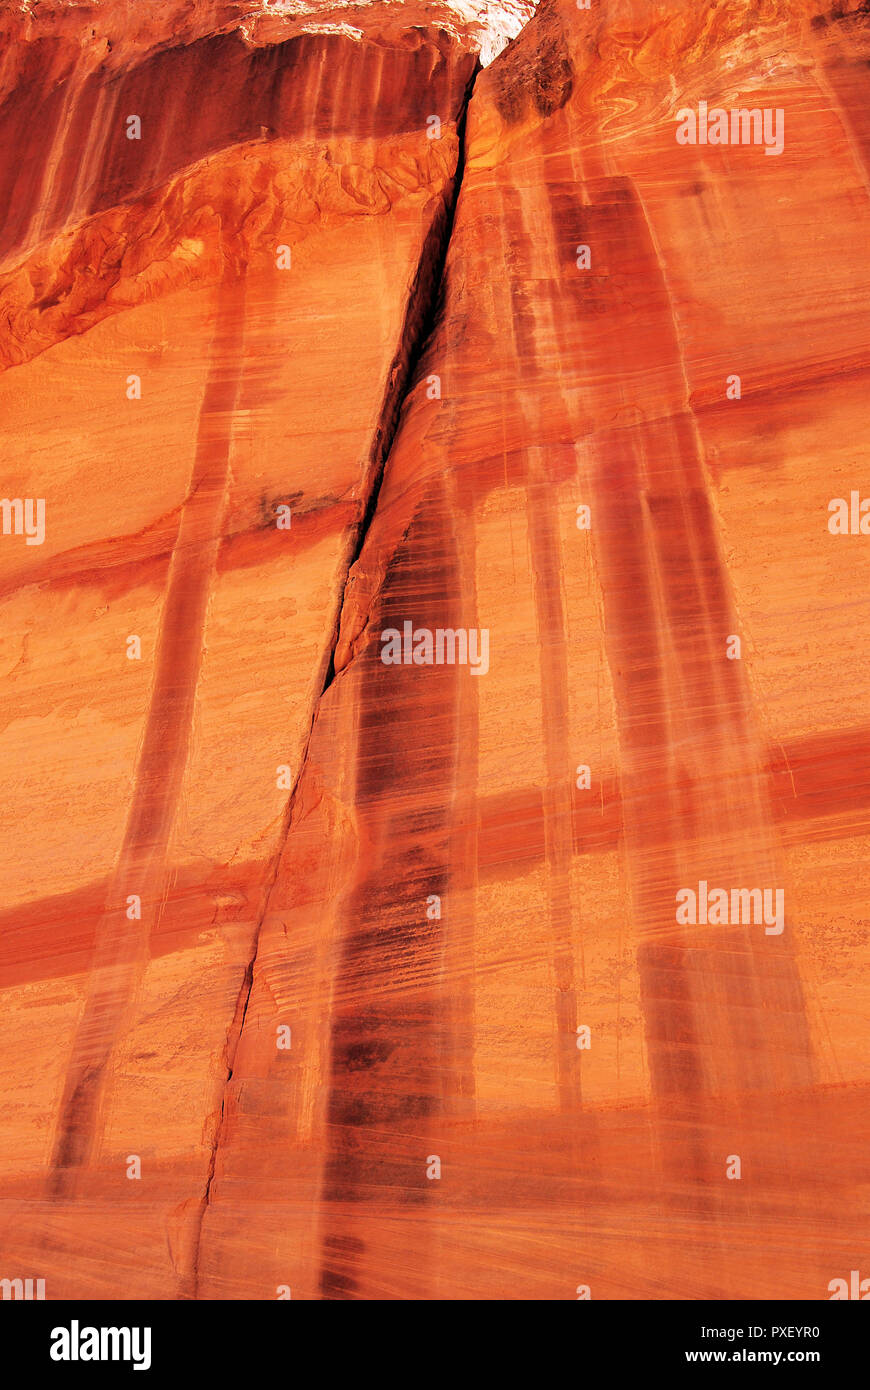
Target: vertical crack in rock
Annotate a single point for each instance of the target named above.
(424, 299)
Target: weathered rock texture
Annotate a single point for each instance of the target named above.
(429, 901)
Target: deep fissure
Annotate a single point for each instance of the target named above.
(425, 300)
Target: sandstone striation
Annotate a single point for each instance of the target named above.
(372, 959)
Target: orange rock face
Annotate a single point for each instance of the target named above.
(435, 773)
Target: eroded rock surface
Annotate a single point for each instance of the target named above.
(554, 376)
